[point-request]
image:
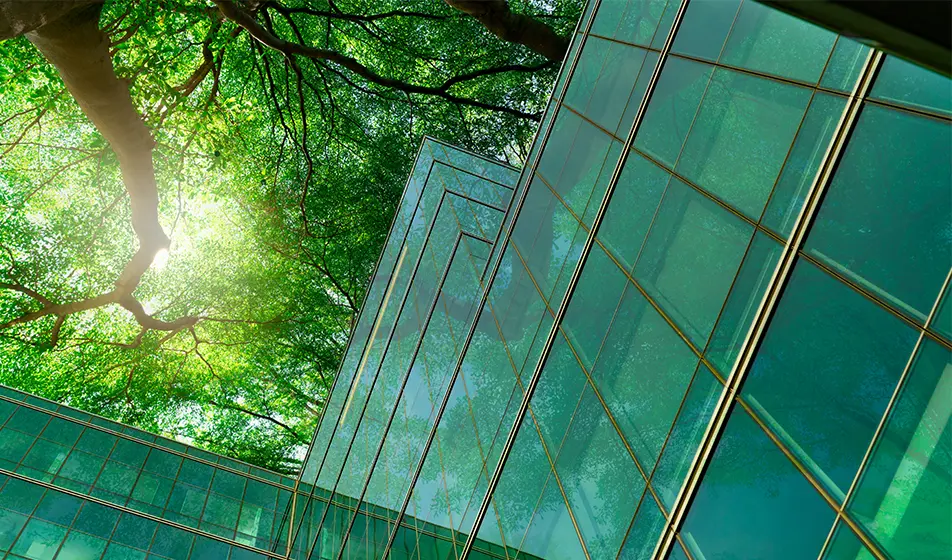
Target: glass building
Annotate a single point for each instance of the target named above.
(708, 319)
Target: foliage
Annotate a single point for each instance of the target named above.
(277, 175)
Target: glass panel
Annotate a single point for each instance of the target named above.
(632, 21)
(642, 374)
(39, 540)
(632, 207)
(904, 494)
(942, 322)
(644, 532)
(892, 241)
(824, 372)
(685, 436)
(557, 395)
(803, 162)
(743, 302)
(753, 503)
(593, 304)
(690, 258)
(637, 97)
(741, 137)
(845, 65)
(767, 40)
(846, 546)
(705, 27)
(903, 82)
(671, 109)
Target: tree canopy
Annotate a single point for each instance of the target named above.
(193, 194)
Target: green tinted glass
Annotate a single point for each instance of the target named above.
(904, 494)
(846, 62)
(705, 27)
(644, 532)
(905, 83)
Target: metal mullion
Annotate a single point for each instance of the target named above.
(769, 302)
(887, 414)
(573, 281)
(471, 199)
(416, 351)
(601, 128)
(356, 380)
(456, 169)
(626, 43)
(920, 111)
(151, 445)
(149, 516)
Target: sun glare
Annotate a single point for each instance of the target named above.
(161, 259)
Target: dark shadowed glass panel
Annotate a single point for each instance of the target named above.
(908, 84)
(770, 41)
(846, 546)
(905, 493)
(693, 250)
(825, 371)
(671, 109)
(885, 221)
(753, 503)
(741, 137)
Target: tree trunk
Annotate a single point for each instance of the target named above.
(496, 16)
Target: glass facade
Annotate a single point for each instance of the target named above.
(709, 319)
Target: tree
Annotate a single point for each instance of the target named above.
(261, 147)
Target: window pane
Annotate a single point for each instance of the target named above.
(909, 84)
(58, 507)
(80, 546)
(593, 304)
(633, 205)
(942, 322)
(743, 302)
(39, 540)
(753, 503)
(685, 437)
(632, 21)
(28, 421)
(741, 137)
(846, 546)
(671, 109)
(644, 532)
(770, 41)
(705, 27)
(892, 241)
(904, 494)
(690, 258)
(599, 478)
(62, 431)
(642, 374)
(557, 395)
(825, 371)
(842, 71)
(803, 162)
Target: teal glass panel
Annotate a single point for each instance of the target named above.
(62, 431)
(584, 164)
(677, 552)
(134, 531)
(605, 97)
(121, 552)
(28, 421)
(45, 456)
(753, 503)
(6, 410)
(633, 205)
(664, 25)
(20, 496)
(741, 137)
(96, 442)
(692, 253)
(557, 395)
(637, 97)
(803, 162)
(11, 524)
(13, 446)
(82, 467)
(942, 322)
(96, 520)
(80, 546)
(58, 507)
(196, 474)
(632, 21)
(228, 484)
(904, 494)
(643, 356)
(152, 490)
(551, 534)
(825, 371)
(117, 478)
(172, 543)
(644, 532)
(908, 84)
(770, 41)
(593, 304)
(845, 64)
(743, 302)
(705, 27)
(39, 540)
(685, 436)
(894, 242)
(671, 109)
(846, 546)
(130, 453)
(600, 479)
(589, 67)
